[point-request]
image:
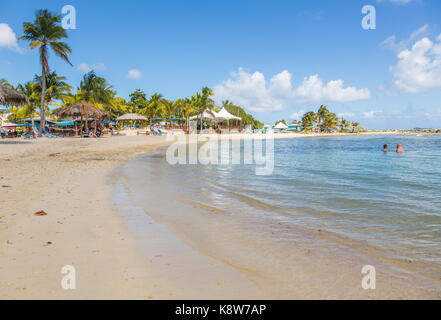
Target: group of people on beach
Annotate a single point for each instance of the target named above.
(400, 148)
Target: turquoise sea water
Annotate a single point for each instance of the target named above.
(342, 185)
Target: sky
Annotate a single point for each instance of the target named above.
(276, 59)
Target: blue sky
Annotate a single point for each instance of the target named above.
(277, 59)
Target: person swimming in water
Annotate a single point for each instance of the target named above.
(385, 148)
(400, 148)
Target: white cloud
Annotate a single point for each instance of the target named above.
(251, 91)
(346, 115)
(391, 43)
(313, 91)
(280, 84)
(373, 114)
(134, 74)
(84, 67)
(8, 38)
(298, 115)
(434, 115)
(419, 68)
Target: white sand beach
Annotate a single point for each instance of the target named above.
(69, 180)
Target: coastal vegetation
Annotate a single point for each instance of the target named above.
(49, 92)
(325, 121)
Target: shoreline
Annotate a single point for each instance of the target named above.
(69, 179)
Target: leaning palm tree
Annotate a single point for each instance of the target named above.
(45, 33)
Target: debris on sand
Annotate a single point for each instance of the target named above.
(40, 213)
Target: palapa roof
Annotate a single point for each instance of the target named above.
(131, 117)
(11, 97)
(82, 109)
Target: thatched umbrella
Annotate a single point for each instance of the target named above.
(131, 117)
(12, 97)
(82, 109)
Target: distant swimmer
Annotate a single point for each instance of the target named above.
(385, 148)
(400, 148)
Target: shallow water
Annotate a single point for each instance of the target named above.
(339, 196)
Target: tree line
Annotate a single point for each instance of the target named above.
(50, 89)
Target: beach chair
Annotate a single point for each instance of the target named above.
(26, 135)
(49, 134)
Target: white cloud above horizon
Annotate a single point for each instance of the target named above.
(391, 42)
(8, 39)
(252, 91)
(298, 115)
(134, 74)
(84, 67)
(419, 68)
(346, 115)
(313, 91)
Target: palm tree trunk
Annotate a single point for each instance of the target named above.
(42, 108)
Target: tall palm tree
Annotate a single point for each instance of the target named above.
(45, 33)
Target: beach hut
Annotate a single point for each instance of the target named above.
(295, 127)
(82, 109)
(131, 117)
(11, 97)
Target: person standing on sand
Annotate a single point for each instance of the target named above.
(400, 148)
(385, 148)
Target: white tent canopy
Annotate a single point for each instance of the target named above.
(225, 115)
(281, 126)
